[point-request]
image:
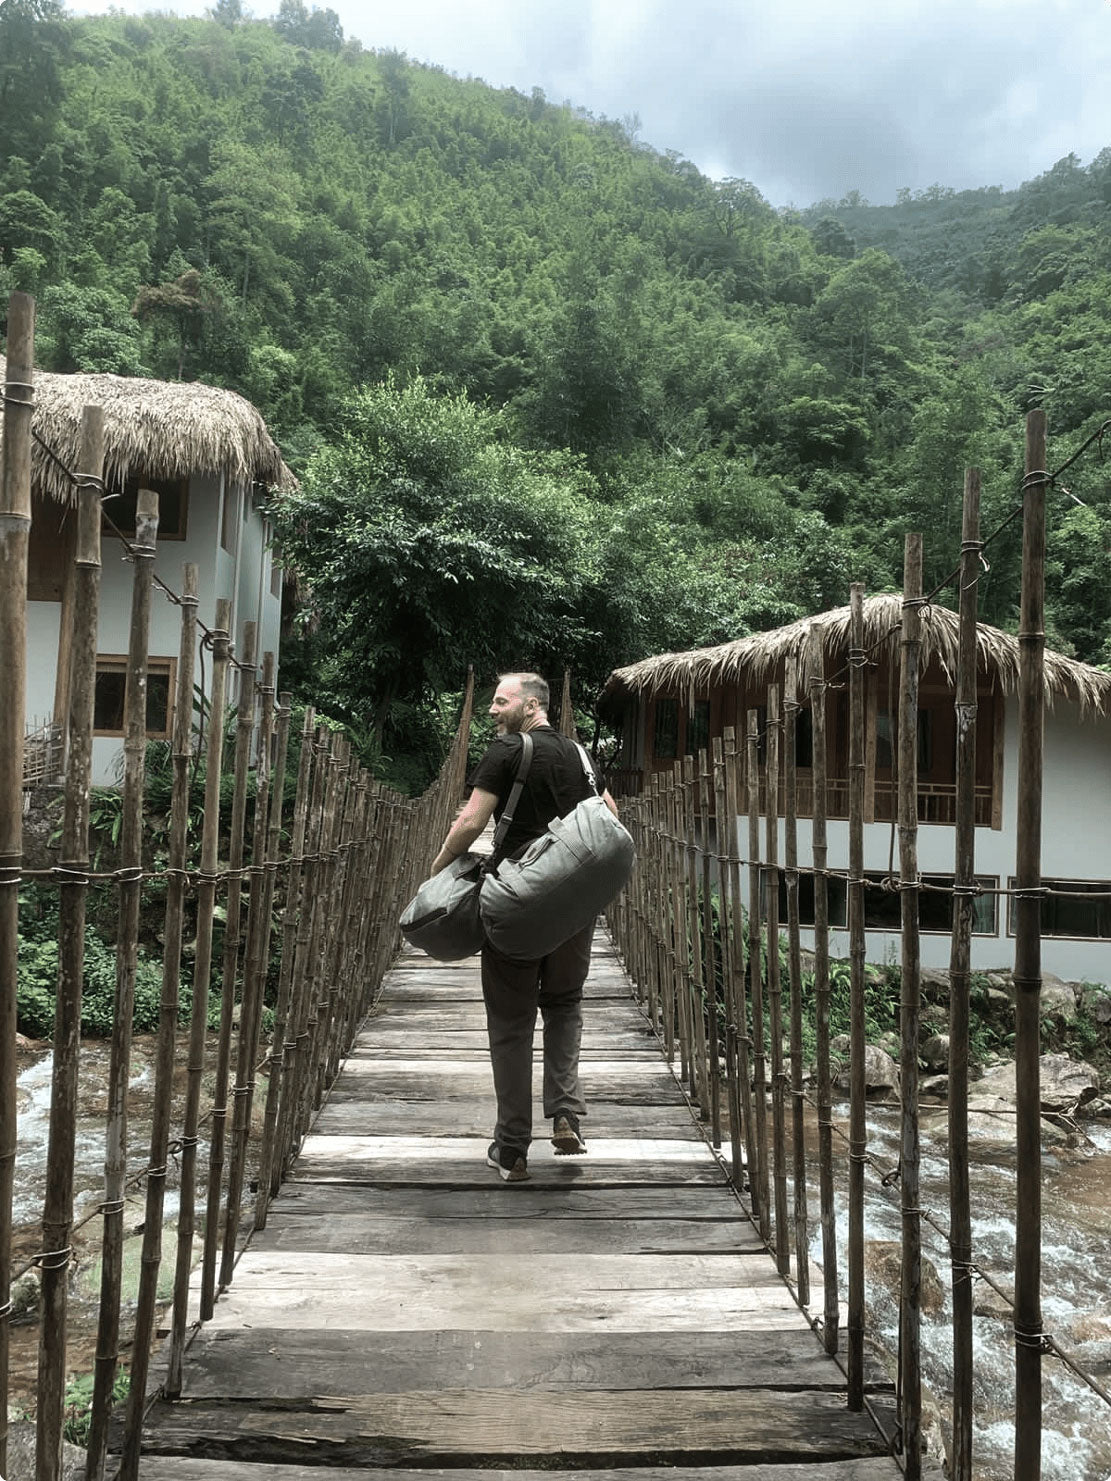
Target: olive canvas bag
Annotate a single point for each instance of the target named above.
(562, 880)
(443, 917)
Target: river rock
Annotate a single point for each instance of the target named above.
(881, 1073)
(1058, 999)
(883, 1264)
(934, 1053)
(24, 1296)
(21, 1455)
(1065, 1084)
(936, 1086)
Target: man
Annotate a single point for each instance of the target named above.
(514, 990)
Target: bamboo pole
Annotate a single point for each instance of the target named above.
(202, 973)
(254, 975)
(831, 1310)
(57, 1218)
(910, 1346)
(700, 1082)
(678, 916)
(794, 967)
(775, 990)
(1028, 962)
(739, 1011)
(858, 1135)
(15, 530)
(162, 1109)
(244, 729)
(964, 880)
(708, 1008)
(727, 916)
(269, 1160)
(297, 1050)
(760, 1193)
(566, 709)
(127, 940)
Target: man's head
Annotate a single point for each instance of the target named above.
(520, 703)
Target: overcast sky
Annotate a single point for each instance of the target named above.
(805, 98)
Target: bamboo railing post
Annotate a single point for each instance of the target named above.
(831, 1309)
(858, 1136)
(254, 976)
(267, 1159)
(739, 1008)
(709, 1007)
(726, 851)
(910, 1346)
(15, 531)
(794, 966)
(1028, 961)
(680, 931)
(202, 973)
(130, 881)
(162, 1107)
(700, 1081)
(760, 1193)
(57, 1218)
(964, 881)
(775, 991)
(649, 895)
(244, 729)
(282, 1077)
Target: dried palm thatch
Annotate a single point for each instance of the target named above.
(758, 659)
(163, 429)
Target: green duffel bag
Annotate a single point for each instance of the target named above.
(567, 876)
(442, 918)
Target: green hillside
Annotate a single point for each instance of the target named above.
(664, 412)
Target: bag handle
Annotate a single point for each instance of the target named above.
(591, 778)
(524, 761)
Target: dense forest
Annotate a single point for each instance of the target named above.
(554, 397)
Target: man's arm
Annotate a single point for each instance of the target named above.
(473, 816)
(608, 800)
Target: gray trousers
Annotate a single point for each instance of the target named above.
(513, 991)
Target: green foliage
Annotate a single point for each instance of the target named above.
(654, 411)
(38, 975)
(78, 1402)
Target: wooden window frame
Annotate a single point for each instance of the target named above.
(117, 663)
(134, 483)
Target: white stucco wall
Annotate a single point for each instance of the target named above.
(217, 576)
(1076, 844)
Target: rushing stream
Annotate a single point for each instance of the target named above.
(1076, 1294)
(1076, 1255)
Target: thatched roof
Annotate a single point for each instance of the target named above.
(759, 659)
(166, 429)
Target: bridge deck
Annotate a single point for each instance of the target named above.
(404, 1312)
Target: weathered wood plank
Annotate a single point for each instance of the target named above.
(177, 1468)
(369, 1234)
(283, 1364)
(531, 1202)
(580, 1293)
(348, 1113)
(454, 1426)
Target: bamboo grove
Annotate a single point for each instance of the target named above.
(324, 880)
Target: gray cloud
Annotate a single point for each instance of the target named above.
(806, 98)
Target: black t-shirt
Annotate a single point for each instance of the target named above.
(555, 785)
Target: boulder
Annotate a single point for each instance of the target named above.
(936, 1086)
(1065, 1084)
(21, 1455)
(1058, 999)
(934, 1053)
(883, 1265)
(881, 1073)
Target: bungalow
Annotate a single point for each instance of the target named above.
(208, 455)
(671, 705)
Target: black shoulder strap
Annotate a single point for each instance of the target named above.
(591, 778)
(523, 763)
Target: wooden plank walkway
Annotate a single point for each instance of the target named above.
(405, 1312)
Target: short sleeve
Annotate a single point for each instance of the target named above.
(495, 772)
